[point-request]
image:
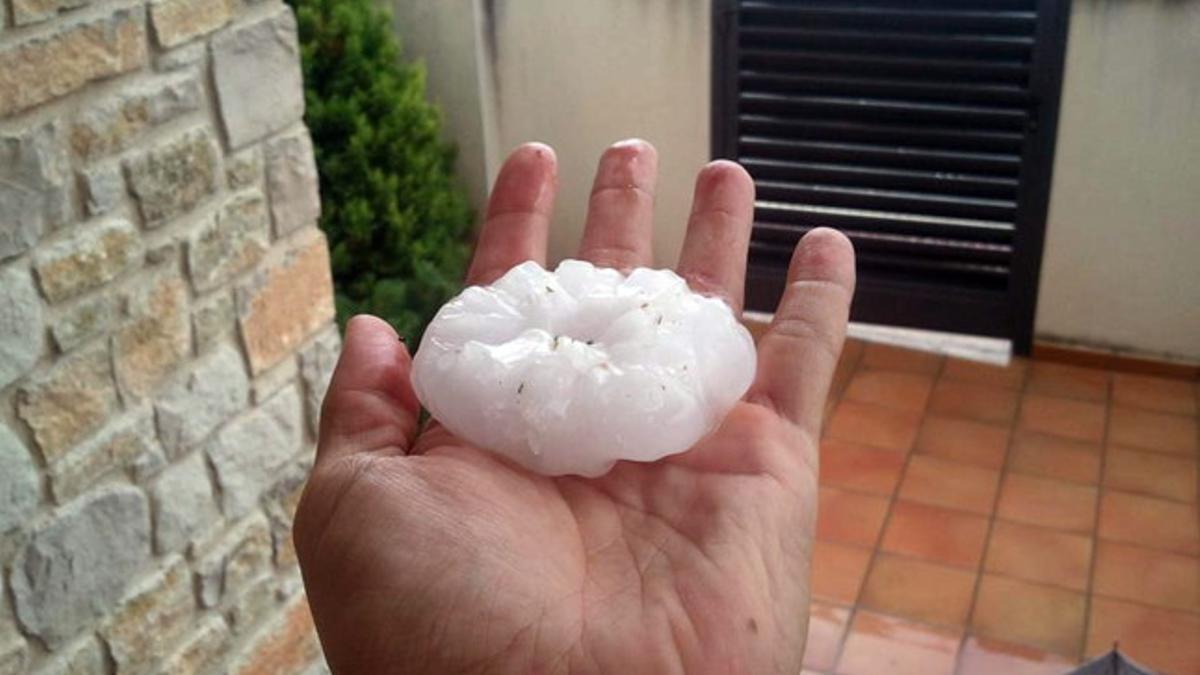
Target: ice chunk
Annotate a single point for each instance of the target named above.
(567, 372)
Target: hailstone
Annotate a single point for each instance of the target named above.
(567, 372)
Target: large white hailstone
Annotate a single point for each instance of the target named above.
(567, 372)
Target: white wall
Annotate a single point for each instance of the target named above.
(444, 35)
(1121, 267)
(581, 74)
(1122, 260)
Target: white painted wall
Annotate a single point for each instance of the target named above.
(444, 35)
(1121, 267)
(581, 74)
(1122, 260)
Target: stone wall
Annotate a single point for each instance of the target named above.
(165, 336)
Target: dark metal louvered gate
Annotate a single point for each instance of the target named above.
(923, 129)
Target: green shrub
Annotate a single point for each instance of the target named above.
(396, 219)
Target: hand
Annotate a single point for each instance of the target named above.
(421, 553)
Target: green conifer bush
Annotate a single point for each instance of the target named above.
(396, 218)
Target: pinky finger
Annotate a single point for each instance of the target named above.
(799, 352)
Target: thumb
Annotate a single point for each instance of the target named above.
(370, 405)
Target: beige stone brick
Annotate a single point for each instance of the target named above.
(84, 320)
(212, 318)
(46, 66)
(232, 559)
(171, 178)
(153, 617)
(31, 11)
(244, 169)
(66, 404)
(85, 656)
(232, 241)
(14, 655)
(200, 651)
(91, 257)
(177, 21)
(127, 443)
(282, 306)
(116, 121)
(285, 499)
(286, 645)
(35, 185)
(156, 336)
(256, 70)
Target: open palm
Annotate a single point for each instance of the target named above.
(422, 553)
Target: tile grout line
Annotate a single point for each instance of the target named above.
(839, 396)
(876, 549)
(992, 517)
(1090, 592)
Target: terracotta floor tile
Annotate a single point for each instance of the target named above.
(875, 425)
(1156, 523)
(932, 480)
(1055, 457)
(1154, 393)
(1011, 376)
(847, 364)
(974, 401)
(963, 441)
(1173, 434)
(935, 534)
(1059, 379)
(984, 656)
(1030, 614)
(1046, 502)
(826, 627)
(1147, 576)
(880, 644)
(1157, 638)
(1080, 420)
(907, 391)
(888, 357)
(919, 590)
(1037, 554)
(838, 571)
(850, 518)
(860, 467)
(1151, 473)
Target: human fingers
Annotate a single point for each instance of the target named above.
(713, 259)
(799, 351)
(621, 208)
(518, 215)
(370, 405)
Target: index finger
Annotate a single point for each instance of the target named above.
(518, 216)
(799, 352)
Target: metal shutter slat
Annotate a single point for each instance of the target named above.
(896, 88)
(845, 40)
(807, 215)
(908, 124)
(917, 203)
(885, 110)
(999, 20)
(791, 128)
(850, 175)
(1013, 71)
(883, 155)
(921, 246)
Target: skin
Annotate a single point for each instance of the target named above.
(422, 554)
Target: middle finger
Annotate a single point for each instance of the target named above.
(621, 209)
